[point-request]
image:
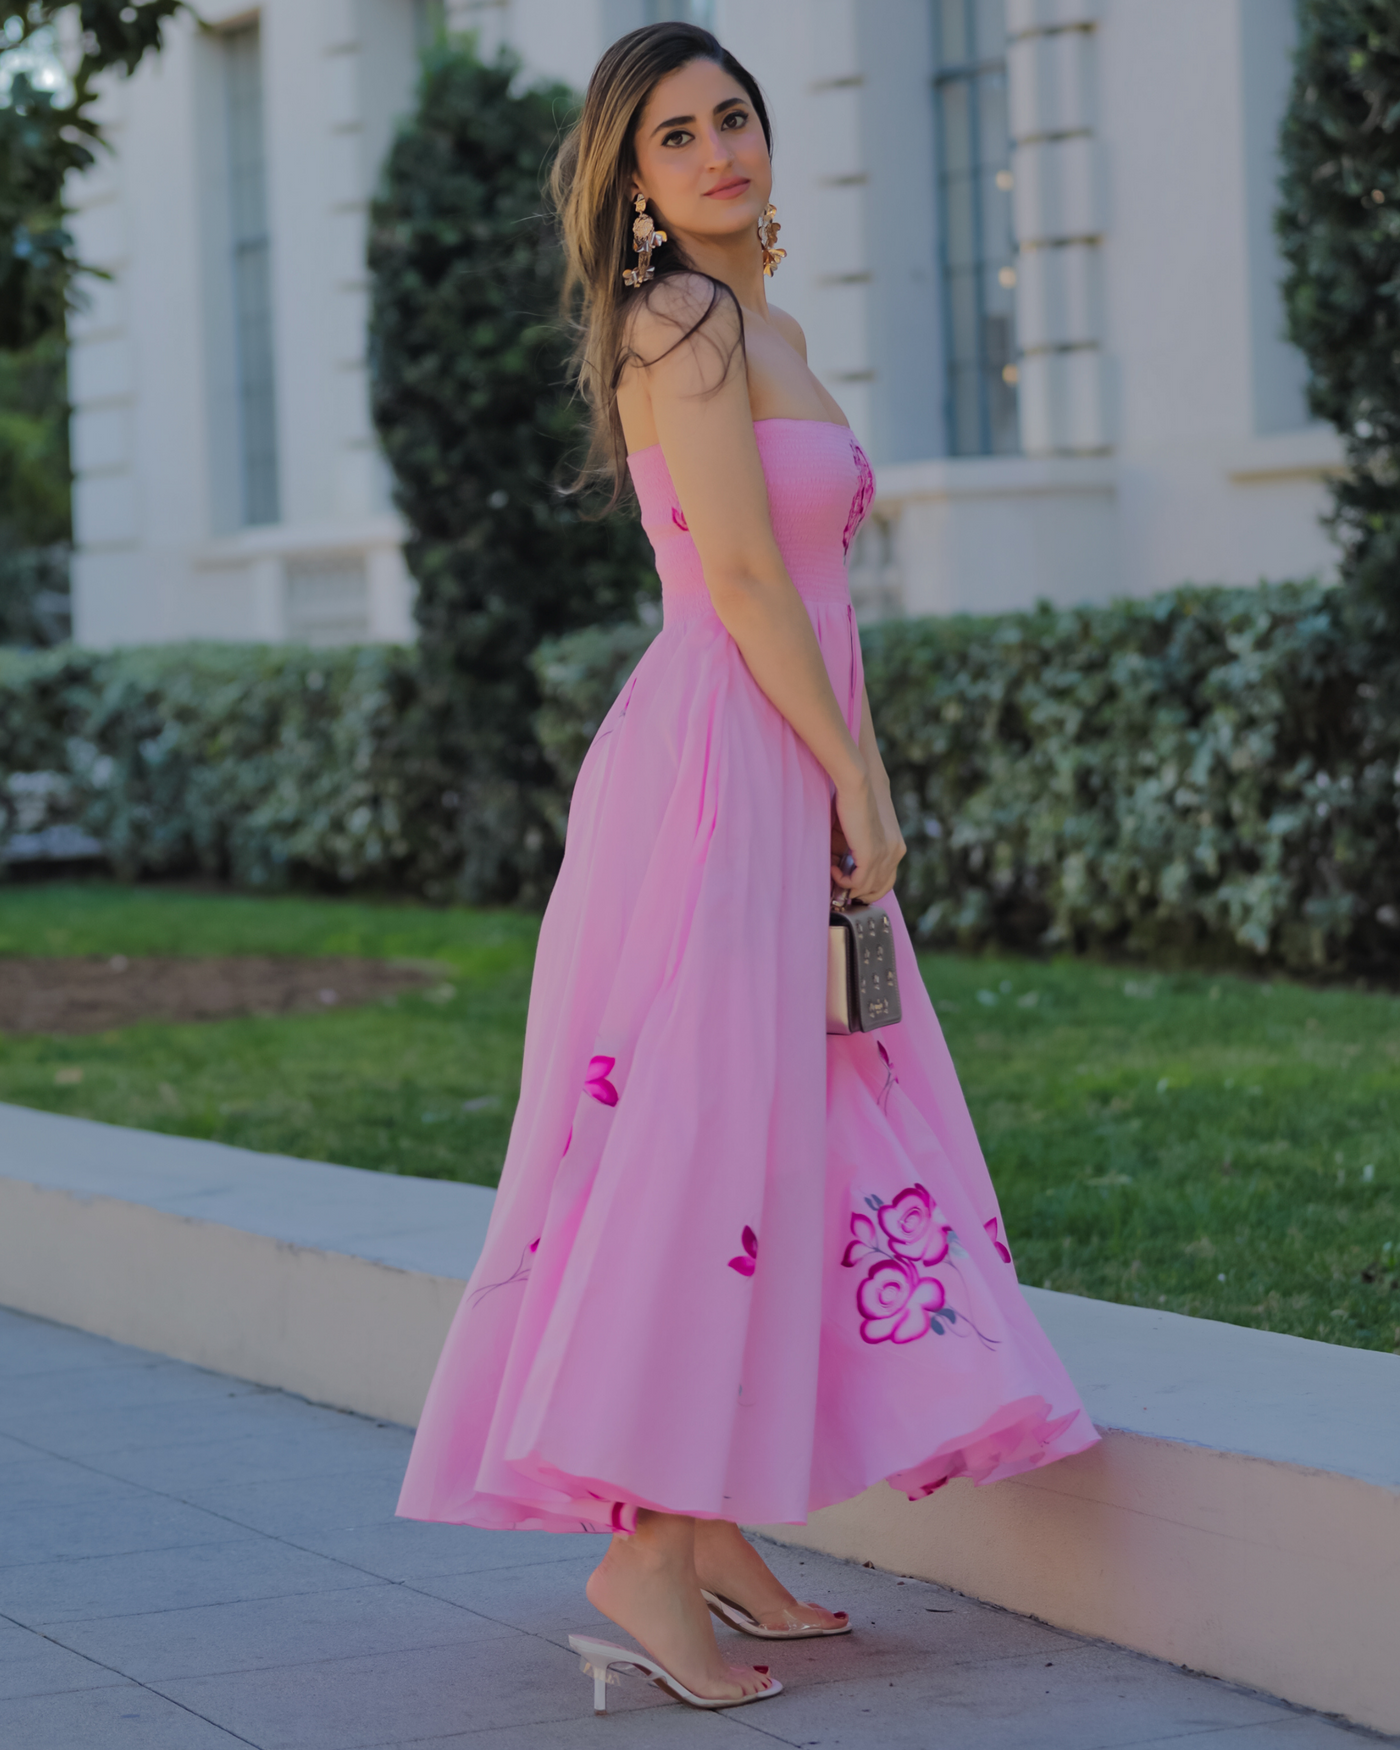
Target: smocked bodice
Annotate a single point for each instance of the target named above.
(820, 487)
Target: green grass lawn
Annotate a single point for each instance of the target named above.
(381, 1086)
(1213, 1145)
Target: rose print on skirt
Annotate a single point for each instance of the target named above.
(895, 1302)
(910, 1228)
(1003, 1250)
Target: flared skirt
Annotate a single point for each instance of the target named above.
(736, 1268)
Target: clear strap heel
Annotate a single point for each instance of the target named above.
(795, 1629)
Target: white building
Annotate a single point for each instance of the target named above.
(1029, 240)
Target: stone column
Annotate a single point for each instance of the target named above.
(1059, 208)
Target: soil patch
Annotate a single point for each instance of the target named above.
(89, 995)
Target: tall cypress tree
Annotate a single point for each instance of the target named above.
(1339, 226)
(469, 366)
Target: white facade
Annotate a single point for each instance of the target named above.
(1158, 414)
(165, 549)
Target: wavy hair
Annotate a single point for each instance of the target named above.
(591, 184)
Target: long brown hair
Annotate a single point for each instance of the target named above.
(592, 183)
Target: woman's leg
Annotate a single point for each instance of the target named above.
(646, 1583)
(728, 1565)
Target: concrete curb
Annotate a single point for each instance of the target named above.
(1242, 1516)
(340, 1330)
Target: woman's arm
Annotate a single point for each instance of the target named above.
(870, 752)
(700, 405)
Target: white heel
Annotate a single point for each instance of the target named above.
(602, 1660)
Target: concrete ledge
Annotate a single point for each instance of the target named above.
(1313, 453)
(996, 477)
(1242, 1515)
(336, 1329)
(322, 1280)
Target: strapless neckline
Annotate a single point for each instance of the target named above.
(775, 419)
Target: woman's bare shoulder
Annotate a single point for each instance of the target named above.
(670, 309)
(790, 329)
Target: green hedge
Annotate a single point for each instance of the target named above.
(266, 765)
(1202, 773)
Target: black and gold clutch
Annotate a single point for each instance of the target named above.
(862, 988)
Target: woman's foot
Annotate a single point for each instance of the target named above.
(647, 1585)
(729, 1566)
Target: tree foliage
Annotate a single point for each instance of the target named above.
(1339, 227)
(469, 368)
(34, 471)
(43, 140)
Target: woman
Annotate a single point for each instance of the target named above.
(737, 1269)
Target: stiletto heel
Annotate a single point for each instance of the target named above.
(602, 1660)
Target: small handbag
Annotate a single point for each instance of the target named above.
(862, 987)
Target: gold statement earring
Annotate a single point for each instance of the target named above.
(645, 238)
(768, 229)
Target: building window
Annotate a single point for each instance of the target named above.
(701, 12)
(975, 234)
(327, 599)
(252, 282)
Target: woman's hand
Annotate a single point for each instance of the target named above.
(864, 824)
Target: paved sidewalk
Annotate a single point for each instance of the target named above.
(187, 1561)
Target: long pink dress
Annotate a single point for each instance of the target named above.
(736, 1268)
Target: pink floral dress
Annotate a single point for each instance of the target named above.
(736, 1268)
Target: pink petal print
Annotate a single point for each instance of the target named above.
(937, 1249)
(864, 1230)
(864, 495)
(927, 1298)
(1002, 1251)
(747, 1262)
(678, 518)
(596, 1081)
(535, 1245)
